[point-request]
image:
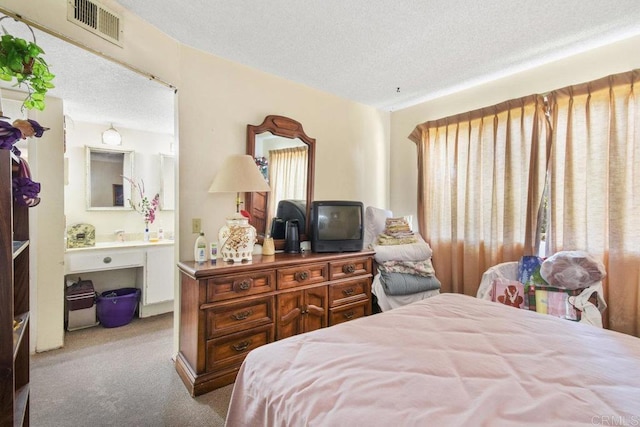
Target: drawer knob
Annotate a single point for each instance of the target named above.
(241, 346)
(348, 268)
(242, 285)
(301, 276)
(242, 315)
(349, 315)
(107, 260)
(348, 291)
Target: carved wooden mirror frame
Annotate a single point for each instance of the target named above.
(288, 128)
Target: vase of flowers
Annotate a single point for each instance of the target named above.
(145, 206)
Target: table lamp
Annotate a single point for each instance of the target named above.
(239, 174)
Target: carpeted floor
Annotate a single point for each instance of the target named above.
(119, 377)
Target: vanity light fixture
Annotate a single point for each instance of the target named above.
(111, 136)
(239, 174)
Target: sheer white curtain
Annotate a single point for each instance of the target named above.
(595, 185)
(287, 176)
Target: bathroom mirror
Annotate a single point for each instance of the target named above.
(106, 187)
(167, 182)
(266, 142)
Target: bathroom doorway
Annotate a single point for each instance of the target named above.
(95, 94)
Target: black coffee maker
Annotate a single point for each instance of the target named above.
(292, 237)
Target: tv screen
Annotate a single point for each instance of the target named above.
(337, 226)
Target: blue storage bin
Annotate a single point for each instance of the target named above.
(117, 307)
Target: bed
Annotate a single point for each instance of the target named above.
(446, 360)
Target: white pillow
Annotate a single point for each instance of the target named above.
(419, 251)
(374, 223)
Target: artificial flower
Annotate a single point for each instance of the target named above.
(144, 206)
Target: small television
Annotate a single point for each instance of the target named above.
(337, 226)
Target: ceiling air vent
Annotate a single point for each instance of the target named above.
(96, 18)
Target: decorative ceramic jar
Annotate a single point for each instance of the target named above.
(236, 240)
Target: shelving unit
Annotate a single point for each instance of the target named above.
(14, 301)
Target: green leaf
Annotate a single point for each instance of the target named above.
(34, 50)
(14, 53)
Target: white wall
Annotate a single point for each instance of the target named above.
(146, 147)
(612, 59)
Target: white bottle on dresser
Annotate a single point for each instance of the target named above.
(200, 249)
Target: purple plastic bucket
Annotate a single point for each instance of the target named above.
(117, 307)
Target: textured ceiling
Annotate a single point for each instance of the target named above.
(388, 54)
(97, 90)
(364, 50)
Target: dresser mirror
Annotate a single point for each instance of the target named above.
(106, 187)
(285, 156)
(167, 182)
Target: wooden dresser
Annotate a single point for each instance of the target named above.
(227, 309)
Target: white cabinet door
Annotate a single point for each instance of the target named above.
(160, 273)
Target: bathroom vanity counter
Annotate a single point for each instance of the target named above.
(125, 244)
(149, 266)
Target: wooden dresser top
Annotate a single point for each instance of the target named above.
(198, 270)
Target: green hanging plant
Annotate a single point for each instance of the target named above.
(22, 61)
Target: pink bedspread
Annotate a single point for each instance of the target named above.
(450, 360)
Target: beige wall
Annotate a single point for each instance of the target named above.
(216, 101)
(351, 139)
(615, 58)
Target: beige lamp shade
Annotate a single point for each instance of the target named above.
(239, 174)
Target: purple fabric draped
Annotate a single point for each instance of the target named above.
(8, 135)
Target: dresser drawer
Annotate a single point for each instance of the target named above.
(95, 260)
(305, 274)
(231, 350)
(348, 291)
(231, 286)
(239, 317)
(349, 268)
(348, 312)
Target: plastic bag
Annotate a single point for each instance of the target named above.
(572, 270)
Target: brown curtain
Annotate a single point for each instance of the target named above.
(595, 186)
(481, 180)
